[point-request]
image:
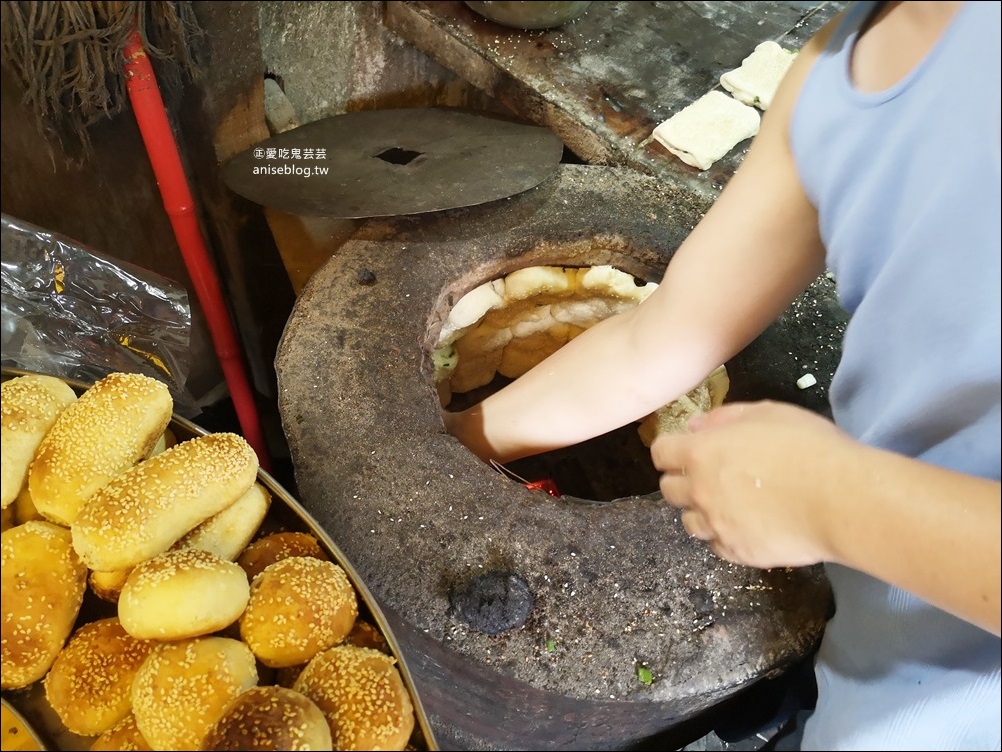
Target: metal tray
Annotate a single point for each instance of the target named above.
(285, 514)
(17, 732)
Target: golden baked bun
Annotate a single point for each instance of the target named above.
(124, 736)
(270, 718)
(90, 683)
(298, 607)
(6, 519)
(184, 688)
(107, 430)
(42, 582)
(108, 585)
(227, 533)
(144, 511)
(367, 635)
(265, 551)
(29, 405)
(24, 507)
(361, 693)
(180, 594)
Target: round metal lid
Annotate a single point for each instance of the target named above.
(381, 163)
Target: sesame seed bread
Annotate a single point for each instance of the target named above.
(108, 585)
(24, 508)
(361, 693)
(144, 511)
(265, 551)
(90, 683)
(298, 607)
(180, 594)
(42, 582)
(103, 433)
(270, 718)
(367, 635)
(124, 736)
(226, 534)
(189, 662)
(29, 405)
(183, 688)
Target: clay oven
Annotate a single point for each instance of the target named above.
(528, 621)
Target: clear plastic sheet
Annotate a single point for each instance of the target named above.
(71, 312)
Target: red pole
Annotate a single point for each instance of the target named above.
(148, 106)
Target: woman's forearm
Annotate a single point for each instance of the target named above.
(932, 532)
(599, 381)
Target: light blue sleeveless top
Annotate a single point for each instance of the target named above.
(906, 183)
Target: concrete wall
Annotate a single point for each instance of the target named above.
(336, 57)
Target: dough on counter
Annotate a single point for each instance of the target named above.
(758, 78)
(707, 129)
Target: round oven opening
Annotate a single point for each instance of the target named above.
(505, 326)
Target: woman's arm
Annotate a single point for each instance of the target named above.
(755, 250)
(771, 485)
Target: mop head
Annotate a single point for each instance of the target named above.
(68, 56)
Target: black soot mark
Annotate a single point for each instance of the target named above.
(492, 602)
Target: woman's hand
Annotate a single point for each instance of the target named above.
(754, 480)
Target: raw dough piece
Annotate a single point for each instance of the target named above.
(674, 417)
(756, 81)
(707, 129)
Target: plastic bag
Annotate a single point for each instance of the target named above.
(71, 312)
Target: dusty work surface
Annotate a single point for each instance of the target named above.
(604, 81)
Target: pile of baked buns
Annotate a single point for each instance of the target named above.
(211, 633)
